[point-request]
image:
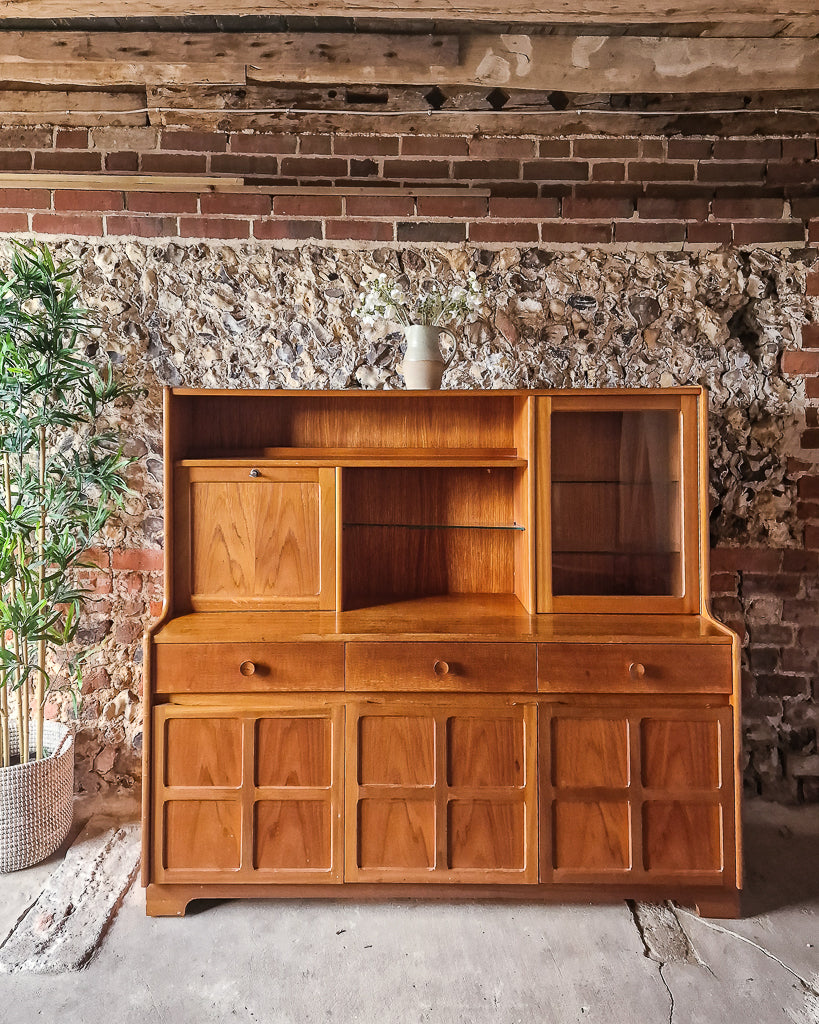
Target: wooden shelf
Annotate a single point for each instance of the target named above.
(441, 526)
(386, 458)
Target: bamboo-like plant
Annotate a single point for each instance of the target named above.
(62, 478)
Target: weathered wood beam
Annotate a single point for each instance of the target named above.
(621, 64)
(537, 11)
(73, 108)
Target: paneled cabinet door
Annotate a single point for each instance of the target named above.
(441, 791)
(255, 536)
(244, 796)
(641, 796)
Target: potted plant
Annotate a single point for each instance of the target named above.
(62, 477)
(423, 316)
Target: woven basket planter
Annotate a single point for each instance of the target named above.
(36, 799)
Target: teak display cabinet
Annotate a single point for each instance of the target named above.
(439, 644)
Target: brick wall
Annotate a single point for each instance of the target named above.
(542, 191)
(546, 192)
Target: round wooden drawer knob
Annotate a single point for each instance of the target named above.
(440, 668)
(255, 473)
(636, 671)
(247, 668)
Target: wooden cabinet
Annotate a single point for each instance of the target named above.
(439, 644)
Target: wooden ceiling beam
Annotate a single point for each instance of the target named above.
(575, 12)
(620, 64)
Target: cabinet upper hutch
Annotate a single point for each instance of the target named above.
(439, 643)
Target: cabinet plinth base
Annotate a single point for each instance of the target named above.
(172, 900)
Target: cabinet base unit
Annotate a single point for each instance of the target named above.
(448, 645)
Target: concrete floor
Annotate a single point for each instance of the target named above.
(300, 963)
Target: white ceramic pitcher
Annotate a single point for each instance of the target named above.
(423, 365)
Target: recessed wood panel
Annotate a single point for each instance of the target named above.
(293, 752)
(292, 834)
(203, 752)
(680, 837)
(679, 754)
(591, 836)
(441, 666)
(396, 750)
(486, 834)
(590, 752)
(485, 751)
(202, 834)
(396, 833)
(255, 539)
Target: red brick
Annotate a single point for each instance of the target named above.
(71, 138)
(556, 170)
(173, 163)
(307, 206)
(649, 231)
(380, 206)
(123, 162)
(503, 149)
(798, 149)
(81, 199)
(597, 209)
(583, 232)
(524, 208)
(67, 160)
(604, 170)
(163, 202)
(606, 148)
(213, 227)
(142, 226)
(781, 685)
(768, 231)
(527, 189)
(275, 144)
(803, 613)
(751, 208)
(812, 538)
(653, 149)
(15, 160)
(655, 170)
(363, 168)
(762, 585)
(812, 284)
(812, 388)
(654, 208)
(194, 142)
(99, 557)
(761, 560)
(221, 163)
(810, 336)
(489, 231)
(599, 190)
(66, 224)
(798, 361)
(464, 170)
(724, 582)
(813, 233)
(359, 230)
(423, 231)
(808, 487)
(709, 234)
(424, 145)
(315, 145)
(810, 439)
(365, 145)
(554, 147)
(807, 509)
(422, 169)
(137, 560)
(233, 203)
(11, 223)
(452, 206)
(747, 149)
(317, 167)
(708, 170)
(25, 138)
(286, 229)
(787, 174)
(690, 149)
(25, 198)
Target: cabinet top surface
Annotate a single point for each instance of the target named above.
(487, 617)
(442, 394)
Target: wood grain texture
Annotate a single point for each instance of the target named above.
(396, 750)
(396, 835)
(202, 835)
(590, 752)
(203, 752)
(293, 835)
(681, 755)
(218, 667)
(293, 752)
(682, 837)
(486, 835)
(614, 668)
(592, 836)
(485, 751)
(441, 666)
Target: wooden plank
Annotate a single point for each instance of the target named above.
(571, 63)
(565, 11)
(69, 108)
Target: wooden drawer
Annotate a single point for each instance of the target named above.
(634, 668)
(244, 667)
(445, 666)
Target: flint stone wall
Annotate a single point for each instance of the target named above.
(257, 316)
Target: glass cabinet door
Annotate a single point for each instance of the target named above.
(616, 504)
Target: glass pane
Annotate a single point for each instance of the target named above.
(616, 515)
